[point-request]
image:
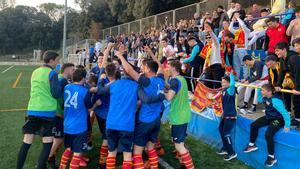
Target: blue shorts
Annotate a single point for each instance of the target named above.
(121, 140)
(179, 133)
(102, 126)
(58, 129)
(77, 142)
(145, 132)
(89, 125)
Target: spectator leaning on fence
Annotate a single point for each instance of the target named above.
(258, 77)
(290, 65)
(273, 65)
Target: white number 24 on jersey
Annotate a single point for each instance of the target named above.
(71, 99)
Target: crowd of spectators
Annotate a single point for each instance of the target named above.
(221, 40)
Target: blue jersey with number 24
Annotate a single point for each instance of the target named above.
(75, 112)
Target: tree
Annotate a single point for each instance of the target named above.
(99, 11)
(84, 4)
(54, 11)
(6, 3)
(25, 28)
(95, 30)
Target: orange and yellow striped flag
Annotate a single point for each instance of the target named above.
(200, 100)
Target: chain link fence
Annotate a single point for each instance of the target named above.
(174, 16)
(185, 12)
(147, 23)
(134, 26)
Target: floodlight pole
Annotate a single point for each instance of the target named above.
(64, 52)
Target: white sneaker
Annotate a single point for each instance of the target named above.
(243, 111)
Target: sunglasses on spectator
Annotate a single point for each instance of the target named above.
(208, 38)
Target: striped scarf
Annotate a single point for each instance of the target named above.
(239, 38)
(206, 54)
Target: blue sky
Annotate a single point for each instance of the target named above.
(36, 3)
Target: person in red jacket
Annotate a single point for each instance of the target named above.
(275, 34)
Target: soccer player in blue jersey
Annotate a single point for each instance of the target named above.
(106, 77)
(148, 124)
(120, 119)
(77, 101)
(96, 70)
(276, 117)
(66, 75)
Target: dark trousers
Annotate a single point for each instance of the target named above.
(214, 72)
(273, 127)
(287, 97)
(225, 129)
(296, 103)
(193, 72)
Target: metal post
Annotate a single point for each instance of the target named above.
(103, 35)
(155, 21)
(110, 32)
(65, 32)
(129, 32)
(198, 9)
(140, 26)
(174, 18)
(119, 29)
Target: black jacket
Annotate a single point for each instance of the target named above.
(290, 65)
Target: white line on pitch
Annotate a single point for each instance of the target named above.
(7, 69)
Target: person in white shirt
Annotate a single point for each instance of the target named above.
(213, 62)
(260, 76)
(259, 28)
(98, 47)
(168, 50)
(83, 57)
(232, 9)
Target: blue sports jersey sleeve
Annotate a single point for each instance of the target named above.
(149, 99)
(55, 87)
(161, 75)
(144, 81)
(231, 88)
(175, 85)
(279, 106)
(63, 83)
(260, 97)
(193, 55)
(102, 71)
(88, 100)
(103, 90)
